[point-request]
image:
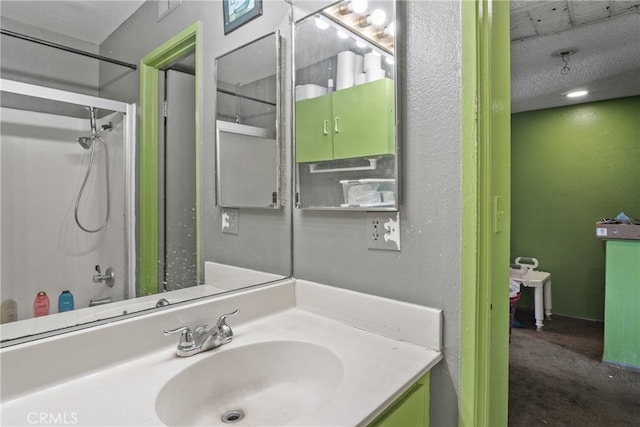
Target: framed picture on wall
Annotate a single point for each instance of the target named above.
(239, 12)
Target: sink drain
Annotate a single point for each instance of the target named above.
(233, 416)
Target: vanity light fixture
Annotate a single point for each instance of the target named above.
(377, 18)
(355, 6)
(576, 93)
(388, 31)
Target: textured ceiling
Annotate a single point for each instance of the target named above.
(91, 21)
(606, 35)
(539, 18)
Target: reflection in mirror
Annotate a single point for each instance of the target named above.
(246, 127)
(345, 116)
(66, 211)
(177, 202)
(47, 163)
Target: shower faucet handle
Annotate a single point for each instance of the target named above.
(109, 276)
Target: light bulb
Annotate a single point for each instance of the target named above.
(321, 24)
(378, 17)
(342, 35)
(390, 60)
(576, 93)
(358, 6)
(360, 44)
(390, 30)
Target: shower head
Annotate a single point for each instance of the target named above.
(85, 142)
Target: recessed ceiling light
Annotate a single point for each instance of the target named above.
(576, 93)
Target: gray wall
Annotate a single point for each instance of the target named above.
(264, 240)
(32, 63)
(330, 247)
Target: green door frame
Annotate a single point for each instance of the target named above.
(150, 65)
(486, 151)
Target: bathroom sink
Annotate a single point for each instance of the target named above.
(268, 384)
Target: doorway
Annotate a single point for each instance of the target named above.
(176, 182)
(151, 251)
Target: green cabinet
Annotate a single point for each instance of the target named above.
(622, 299)
(409, 410)
(354, 122)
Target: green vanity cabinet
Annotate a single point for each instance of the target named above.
(409, 410)
(354, 122)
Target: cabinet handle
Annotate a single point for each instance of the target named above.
(324, 127)
(336, 128)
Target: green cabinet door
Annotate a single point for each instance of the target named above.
(363, 120)
(314, 138)
(354, 122)
(409, 410)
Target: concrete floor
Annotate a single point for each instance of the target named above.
(556, 377)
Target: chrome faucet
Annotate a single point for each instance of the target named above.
(203, 338)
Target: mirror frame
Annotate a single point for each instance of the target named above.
(397, 55)
(278, 126)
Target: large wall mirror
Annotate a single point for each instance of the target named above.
(248, 101)
(43, 248)
(346, 144)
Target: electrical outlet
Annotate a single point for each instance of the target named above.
(383, 231)
(230, 221)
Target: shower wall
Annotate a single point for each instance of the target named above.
(41, 168)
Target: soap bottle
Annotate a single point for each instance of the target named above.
(9, 311)
(65, 301)
(41, 304)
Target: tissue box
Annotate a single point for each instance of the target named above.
(617, 231)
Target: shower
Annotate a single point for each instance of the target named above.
(87, 142)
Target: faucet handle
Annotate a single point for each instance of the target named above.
(221, 321)
(186, 338)
(225, 333)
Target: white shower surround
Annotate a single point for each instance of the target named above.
(42, 170)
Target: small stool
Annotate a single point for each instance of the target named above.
(541, 282)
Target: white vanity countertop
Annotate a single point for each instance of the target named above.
(376, 368)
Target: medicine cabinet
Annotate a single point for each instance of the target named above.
(247, 132)
(346, 133)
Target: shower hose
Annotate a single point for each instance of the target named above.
(84, 183)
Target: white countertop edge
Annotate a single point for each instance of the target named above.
(399, 320)
(374, 382)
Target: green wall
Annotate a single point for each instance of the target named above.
(572, 166)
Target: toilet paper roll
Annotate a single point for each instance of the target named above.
(346, 64)
(361, 78)
(375, 74)
(372, 61)
(359, 67)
